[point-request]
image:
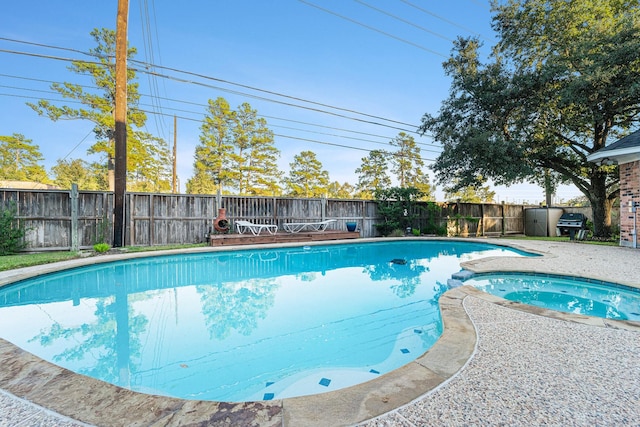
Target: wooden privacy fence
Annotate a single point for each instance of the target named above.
(72, 220)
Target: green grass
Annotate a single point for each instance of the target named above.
(10, 262)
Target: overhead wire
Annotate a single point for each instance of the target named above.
(224, 89)
(404, 20)
(426, 49)
(342, 146)
(149, 53)
(174, 78)
(448, 21)
(275, 134)
(204, 106)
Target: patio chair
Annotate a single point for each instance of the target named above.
(296, 227)
(255, 229)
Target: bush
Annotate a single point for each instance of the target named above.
(397, 208)
(101, 247)
(11, 231)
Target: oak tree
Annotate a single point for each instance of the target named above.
(562, 83)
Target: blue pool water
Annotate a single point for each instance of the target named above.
(566, 294)
(242, 325)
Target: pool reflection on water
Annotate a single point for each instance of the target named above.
(241, 325)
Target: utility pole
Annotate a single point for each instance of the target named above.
(175, 155)
(120, 186)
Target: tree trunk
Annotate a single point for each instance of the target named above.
(600, 207)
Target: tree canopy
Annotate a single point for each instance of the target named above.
(408, 166)
(561, 83)
(306, 177)
(146, 155)
(76, 171)
(236, 153)
(19, 160)
(373, 174)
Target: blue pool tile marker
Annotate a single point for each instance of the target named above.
(417, 331)
(325, 382)
(373, 371)
(404, 350)
(269, 383)
(268, 396)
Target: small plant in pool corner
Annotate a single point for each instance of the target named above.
(101, 247)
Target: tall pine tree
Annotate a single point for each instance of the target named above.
(98, 107)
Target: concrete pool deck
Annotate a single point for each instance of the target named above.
(497, 363)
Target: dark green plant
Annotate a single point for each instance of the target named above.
(102, 227)
(398, 208)
(11, 231)
(434, 211)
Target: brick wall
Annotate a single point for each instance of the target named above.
(629, 192)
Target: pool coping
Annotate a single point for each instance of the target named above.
(35, 380)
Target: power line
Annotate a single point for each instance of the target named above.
(342, 146)
(149, 53)
(189, 103)
(275, 134)
(147, 66)
(377, 30)
(177, 79)
(428, 12)
(404, 20)
(347, 110)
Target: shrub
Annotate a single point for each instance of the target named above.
(397, 208)
(11, 231)
(101, 247)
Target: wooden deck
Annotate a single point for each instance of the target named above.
(280, 237)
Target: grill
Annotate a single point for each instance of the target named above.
(572, 224)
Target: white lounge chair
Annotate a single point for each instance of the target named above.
(296, 227)
(256, 229)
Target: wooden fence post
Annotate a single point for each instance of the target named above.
(323, 208)
(503, 219)
(73, 195)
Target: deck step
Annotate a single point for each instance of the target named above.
(280, 237)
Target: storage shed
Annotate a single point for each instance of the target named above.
(541, 221)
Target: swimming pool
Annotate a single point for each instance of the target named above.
(562, 293)
(242, 325)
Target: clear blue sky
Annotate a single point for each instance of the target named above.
(380, 58)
